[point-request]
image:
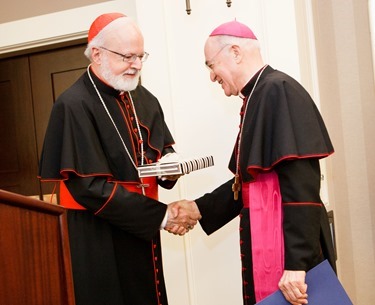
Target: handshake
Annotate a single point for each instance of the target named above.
(183, 215)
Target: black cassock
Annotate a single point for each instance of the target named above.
(114, 238)
(282, 132)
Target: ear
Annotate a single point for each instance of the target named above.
(95, 55)
(237, 52)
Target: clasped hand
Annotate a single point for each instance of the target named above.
(183, 215)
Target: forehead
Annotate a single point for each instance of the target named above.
(125, 37)
(210, 47)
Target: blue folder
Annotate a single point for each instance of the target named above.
(323, 288)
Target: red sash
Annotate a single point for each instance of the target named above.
(150, 183)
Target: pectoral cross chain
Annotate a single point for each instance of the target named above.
(236, 186)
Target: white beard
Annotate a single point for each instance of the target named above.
(119, 82)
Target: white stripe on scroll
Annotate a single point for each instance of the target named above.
(195, 164)
(175, 168)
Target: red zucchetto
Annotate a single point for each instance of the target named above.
(101, 22)
(234, 28)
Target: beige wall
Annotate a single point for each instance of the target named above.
(21, 9)
(346, 82)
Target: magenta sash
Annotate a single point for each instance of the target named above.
(263, 198)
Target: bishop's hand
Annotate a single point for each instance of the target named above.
(183, 215)
(292, 285)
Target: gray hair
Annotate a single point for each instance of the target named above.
(246, 43)
(100, 39)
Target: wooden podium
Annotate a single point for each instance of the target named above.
(35, 267)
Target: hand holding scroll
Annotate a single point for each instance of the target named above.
(183, 215)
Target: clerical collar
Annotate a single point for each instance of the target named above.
(245, 91)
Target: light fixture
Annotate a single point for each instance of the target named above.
(188, 8)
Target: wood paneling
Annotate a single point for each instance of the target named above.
(35, 257)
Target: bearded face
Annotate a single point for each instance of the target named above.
(123, 81)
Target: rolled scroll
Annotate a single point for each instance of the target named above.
(174, 168)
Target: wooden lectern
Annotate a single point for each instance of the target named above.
(35, 267)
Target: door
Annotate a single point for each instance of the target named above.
(29, 85)
(18, 152)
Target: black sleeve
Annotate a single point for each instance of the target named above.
(218, 207)
(135, 213)
(300, 189)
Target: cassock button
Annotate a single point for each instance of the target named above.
(154, 246)
(156, 258)
(135, 129)
(140, 141)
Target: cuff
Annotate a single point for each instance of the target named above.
(164, 222)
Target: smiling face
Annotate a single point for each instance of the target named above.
(113, 61)
(222, 64)
(232, 61)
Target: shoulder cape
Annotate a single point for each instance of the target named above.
(81, 138)
(282, 122)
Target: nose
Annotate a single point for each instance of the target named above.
(212, 76)
(137, 64)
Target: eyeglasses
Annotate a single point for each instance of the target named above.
(129, 57)
(209, 63)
